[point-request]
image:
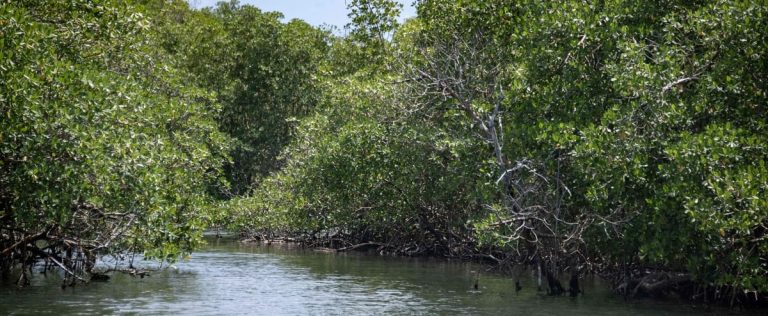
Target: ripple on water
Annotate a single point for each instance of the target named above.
(235, 279)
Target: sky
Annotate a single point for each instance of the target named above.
(314, 12)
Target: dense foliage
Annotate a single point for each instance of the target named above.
(104, 148)
(622, 137)
(265, 74)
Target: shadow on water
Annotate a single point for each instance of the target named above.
(233, 278)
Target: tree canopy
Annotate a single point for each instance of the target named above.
(618, 137)
(104, 148)
(563, 135)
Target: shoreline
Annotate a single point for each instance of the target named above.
(630, 296)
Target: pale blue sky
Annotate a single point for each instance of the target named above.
(315, 12)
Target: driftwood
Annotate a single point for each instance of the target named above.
(362, 245)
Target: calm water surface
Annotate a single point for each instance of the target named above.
(229, 278)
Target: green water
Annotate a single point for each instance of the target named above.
(229, 278)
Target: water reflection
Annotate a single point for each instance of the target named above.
(231, 278)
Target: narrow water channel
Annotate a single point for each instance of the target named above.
(230, 278)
